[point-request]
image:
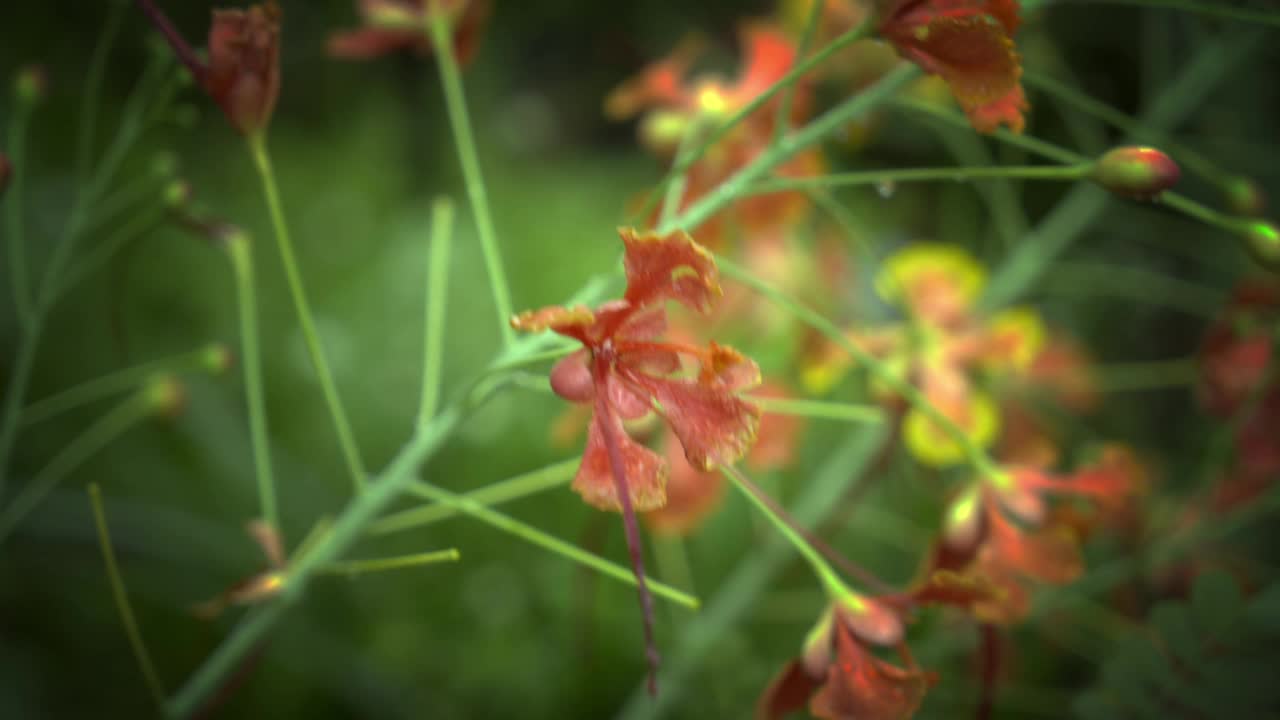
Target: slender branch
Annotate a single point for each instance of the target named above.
(1063, 173)
(782, 123)
(240, 249)
(121, 597)
(352, 568)
(93, 90)
(209, 358)
(101, 253)
(530, 483)
(306, 319)
(537, 537)
(455, 99)
(437, 297)
(180, 46)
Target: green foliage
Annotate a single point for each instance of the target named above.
(1212, 655)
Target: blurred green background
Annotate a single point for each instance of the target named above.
(511, 631)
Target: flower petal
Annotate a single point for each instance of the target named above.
(660, 84)
(860, 685)
(369, 42)
(243, 75)
(576, 322)
(787, 692)
(729, 369)
(692, 495)
(714, 426)
(646, 479)
(669, 267)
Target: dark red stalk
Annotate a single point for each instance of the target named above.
(990, 650)
(600, 372)
(179, 44)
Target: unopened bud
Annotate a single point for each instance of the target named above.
(217, 358)
(1139, 173)
(177, 194)
(30, 84)
(165, 396)
(1264, 243)
(1244, 197)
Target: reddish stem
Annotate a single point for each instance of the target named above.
(607, 426)
(990, 650)
(180, 46)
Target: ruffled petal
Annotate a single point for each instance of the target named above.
(669, 267)
(729, 369)
(661, 84)
(577, 322)
(1050, 555)
(646, 473)
(714, 426)
(788, 692)
(862, 686)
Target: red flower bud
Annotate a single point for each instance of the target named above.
(1140, 173)
(243, 75)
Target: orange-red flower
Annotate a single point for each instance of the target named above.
(969, 43)
(626, 371)
(678, 105)
(840, 678)
(394, 25)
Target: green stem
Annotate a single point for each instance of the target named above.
(716, 135)
(845, 220)
(121, 597)
(1214, 10)
(346, 438)
(1067, 173)
(351, 568)
(114, 383)
(520, 486)
(1097, 279)
(97, 436)
(15, 395)
(240, 249)
(93, 89)
(456, 104)
(814, 132)
(845, 412)
(977, 457)
(675, 189)
(437, 300)
(537, 537)
(831, 581)
(783, 121)
(101, 253)
(17, 239)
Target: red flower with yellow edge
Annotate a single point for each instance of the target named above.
(840, 678)
(693, 494)
(626, 371)
(395, 25)
(968, 43)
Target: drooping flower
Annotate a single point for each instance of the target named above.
(840, 678)
(969, 43)
(626, 372)
(395, 25)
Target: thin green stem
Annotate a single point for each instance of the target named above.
(124, 200)
(675, 189)
(783, 121)
(537, 537)
(845, 412)
(1098, 279)
(17, 194)
(97, 436)
(352, 568)
(723, 129)
(830, 580)
(456, 104)
(15, 394)
(93, 89)
(240, 249)
(101, 253)
(976, 456)
(814, 132)
(847, 223)
(116, 382)
(1061, 173)
(1208, 9)
(121, 597)
(437, 300)
(346, 438)
(520, 486)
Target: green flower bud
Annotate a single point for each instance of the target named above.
(1264, 243)
(217, 358)
(30, 83)
(1139, 173)
(165, 395)
(177, 193)
(1244, 197)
